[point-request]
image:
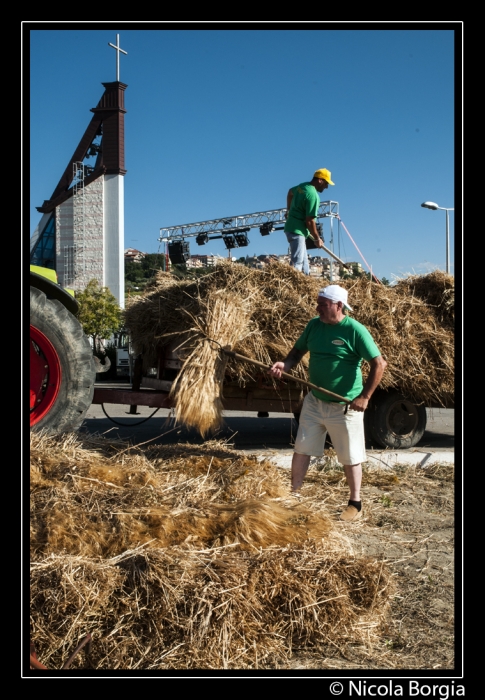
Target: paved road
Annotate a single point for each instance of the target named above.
(242, 429)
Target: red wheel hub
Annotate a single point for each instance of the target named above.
(45, 375)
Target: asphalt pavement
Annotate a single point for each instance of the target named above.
(246, 431)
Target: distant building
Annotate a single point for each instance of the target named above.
(134, 255)
(203, 260)
(357, 267)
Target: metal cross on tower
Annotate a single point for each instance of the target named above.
(117, 49)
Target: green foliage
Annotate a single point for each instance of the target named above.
(358, 273)
(99, 313)
(137, 274)
(355, 274)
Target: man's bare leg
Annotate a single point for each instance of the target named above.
(353, 474)
(299, 467)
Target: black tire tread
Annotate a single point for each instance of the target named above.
(376, 424)
(66, 334)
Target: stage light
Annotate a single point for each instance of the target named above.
(229, 242)
(202, 238)
(241, 239)
(266, 228)
(178, 252)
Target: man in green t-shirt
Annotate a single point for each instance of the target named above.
(302, 204)
(337, 344)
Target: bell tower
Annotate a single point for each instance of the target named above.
(81, 233)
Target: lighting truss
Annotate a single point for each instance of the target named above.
(235, 224)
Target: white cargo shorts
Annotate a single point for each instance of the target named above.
(346, 430)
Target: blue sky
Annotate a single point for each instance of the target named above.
(222, 120)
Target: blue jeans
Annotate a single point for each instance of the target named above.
(298, 252)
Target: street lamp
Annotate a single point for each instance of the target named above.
(433, 205)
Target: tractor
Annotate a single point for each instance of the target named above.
(62, 365)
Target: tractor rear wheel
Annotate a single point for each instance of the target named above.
(62, 369)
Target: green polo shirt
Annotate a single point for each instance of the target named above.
(336, 353)
(305, 202)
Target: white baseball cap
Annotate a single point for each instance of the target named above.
(335, 293)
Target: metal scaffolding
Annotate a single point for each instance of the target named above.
(266, 220)
(233, 228)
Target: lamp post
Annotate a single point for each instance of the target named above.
(433, 205)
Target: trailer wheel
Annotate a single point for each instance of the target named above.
(62, 370)
(394, 421)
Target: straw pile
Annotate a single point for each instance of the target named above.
(179, 557)
(413, 325)
(265, 312)
(197, 390)
(437, 290)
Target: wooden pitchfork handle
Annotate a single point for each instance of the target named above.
(236, 356)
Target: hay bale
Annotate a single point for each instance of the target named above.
(178, 558)
(198, 387)
(437, 290)
(165, 497)
(418, 348)
(205, 609)
(412, 323)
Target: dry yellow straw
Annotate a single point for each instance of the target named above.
(197, 390)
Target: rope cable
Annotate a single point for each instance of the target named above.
(368, 266)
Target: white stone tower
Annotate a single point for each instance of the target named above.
(81, 233)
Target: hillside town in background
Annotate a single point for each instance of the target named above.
(136, 259)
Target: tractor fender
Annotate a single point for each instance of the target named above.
(46, 281)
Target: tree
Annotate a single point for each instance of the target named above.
(385, 281)
(140, 272)
(152, 263)
(134, 272)
(99, 313)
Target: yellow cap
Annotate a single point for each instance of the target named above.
(324, 174)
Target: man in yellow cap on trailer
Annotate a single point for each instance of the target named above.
(302, 204)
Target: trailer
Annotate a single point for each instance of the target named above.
(391, 420)
(63, 372)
